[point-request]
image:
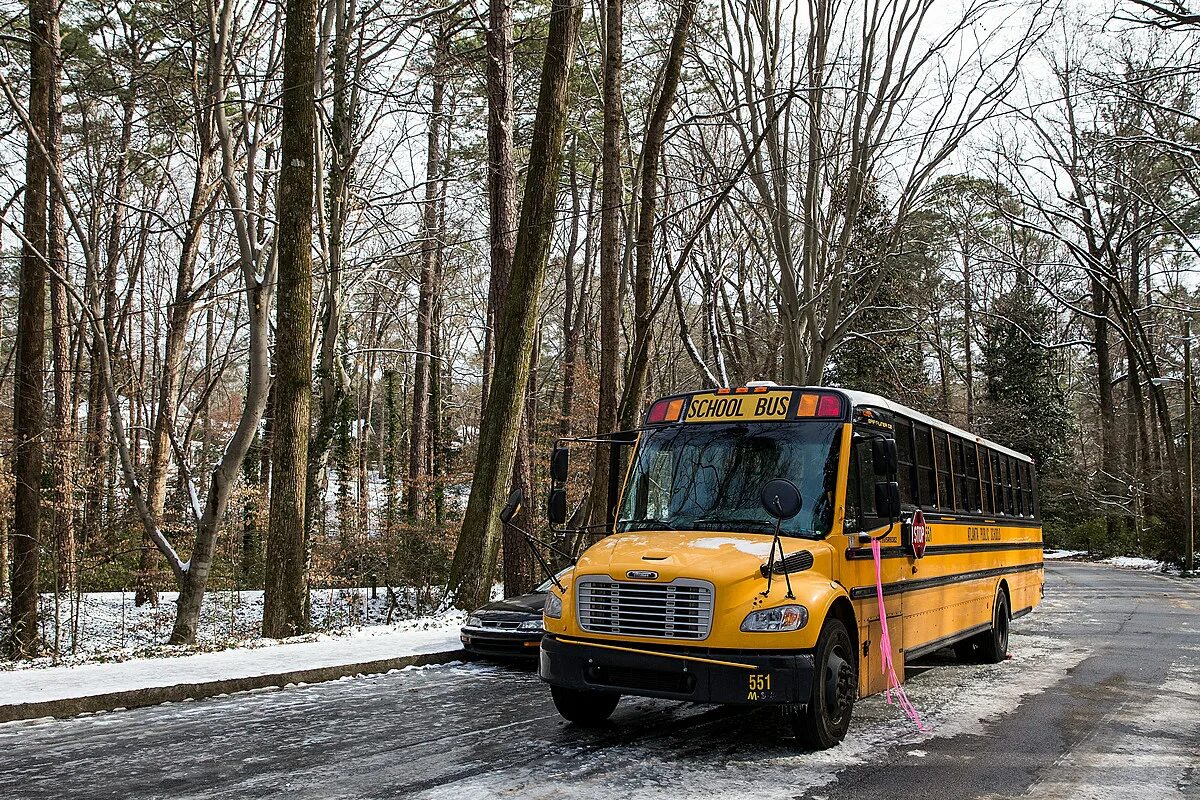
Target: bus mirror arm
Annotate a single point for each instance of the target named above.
(506, 517)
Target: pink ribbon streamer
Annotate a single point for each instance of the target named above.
(885, 647)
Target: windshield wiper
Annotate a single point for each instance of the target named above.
(646, 525)
(711, 523)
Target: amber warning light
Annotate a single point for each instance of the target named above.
(669, 410)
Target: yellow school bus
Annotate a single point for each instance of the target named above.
(703, 591)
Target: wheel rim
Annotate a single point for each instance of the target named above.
(1001, 624)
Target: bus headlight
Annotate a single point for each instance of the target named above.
(780, 618)
(553, 608)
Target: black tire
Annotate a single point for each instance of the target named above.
(582, 707)
(822, 722)
(991, 646)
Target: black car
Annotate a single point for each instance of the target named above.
(509, 628)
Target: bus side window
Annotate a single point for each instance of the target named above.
(960, 475)
(945, 495)
(904, 459)
(1019, 479)
(971, 479)
(1031, 485)
(985, 478)
(853, 517)
(1010, 505)
(866, 477)
(926, 482)
(998, 482)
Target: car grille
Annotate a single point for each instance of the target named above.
(681, 609)
(502, 624)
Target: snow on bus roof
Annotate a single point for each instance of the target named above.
(867, 399)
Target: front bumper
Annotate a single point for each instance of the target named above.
(500, 644)
(698, 675)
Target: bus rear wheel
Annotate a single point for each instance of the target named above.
(582, 707)
(991, 646)
(822, 722)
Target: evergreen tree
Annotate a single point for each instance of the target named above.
(1023, 404)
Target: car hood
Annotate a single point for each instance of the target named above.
(525, 604)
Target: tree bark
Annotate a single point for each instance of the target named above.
(28, 422)
(285, 604)
(62, 471)
(611, 200)
(418, 474)
(475, 556)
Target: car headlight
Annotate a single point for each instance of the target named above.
(780, 618)
(474, 622)
(530, 625)
(553, 608)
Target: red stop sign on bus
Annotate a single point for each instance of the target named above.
(918, 534)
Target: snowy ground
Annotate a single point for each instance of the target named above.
(1125, 562)
(1098, 702)
(107, 626)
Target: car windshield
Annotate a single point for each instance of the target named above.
(709, 477)
(545, 585)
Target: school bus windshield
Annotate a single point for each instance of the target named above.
(709, 477)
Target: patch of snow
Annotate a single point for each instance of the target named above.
(759, 549)
(260, 657)
(1051, 555)
(1132, 562)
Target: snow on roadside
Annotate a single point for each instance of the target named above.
(433, 634)
(1131, 562)
(1051, 555)
(106, 626)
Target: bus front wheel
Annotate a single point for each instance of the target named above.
(822, 722)
(582, 707)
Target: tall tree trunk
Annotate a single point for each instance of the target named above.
(639, 360)
(475, 557)
(1108, 452)
(418, 475)
(285, 602)
(31, 349)
(502, 173)
(611, 199)
(62, 470)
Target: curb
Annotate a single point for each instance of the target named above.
(155, 695)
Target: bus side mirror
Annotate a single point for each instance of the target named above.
(560, 461)
(887, 500)
(556, 507)
(512, 506)
(883, 454)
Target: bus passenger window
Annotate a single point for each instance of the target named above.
(1019, 487)
(926, 482)
(998, 482)
(904, 460)
(960, 476)
(1010, 506)
(1030, 488)
(985, 478)
(945, 495)
(970, 464)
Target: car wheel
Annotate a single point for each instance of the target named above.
(582, 707)
(822, 722)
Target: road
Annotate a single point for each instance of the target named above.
(1101, 699)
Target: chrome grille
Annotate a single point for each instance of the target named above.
(681, 609)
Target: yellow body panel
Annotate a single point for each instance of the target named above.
(929, 600)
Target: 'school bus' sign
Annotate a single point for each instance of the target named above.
(730, 408)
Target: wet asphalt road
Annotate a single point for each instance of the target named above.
(1101, 699)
